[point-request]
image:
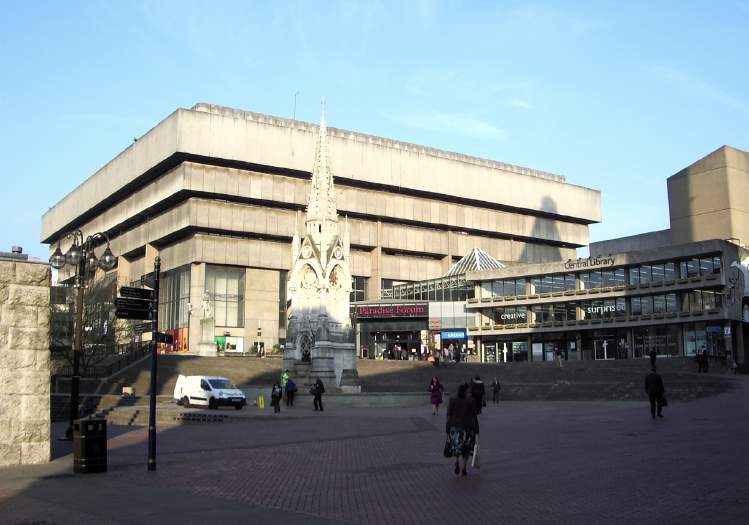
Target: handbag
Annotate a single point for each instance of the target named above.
(448, 451)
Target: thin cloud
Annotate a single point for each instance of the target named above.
(698, 87)
(460, 123)
(522, 104)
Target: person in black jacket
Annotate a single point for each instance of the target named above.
(654, 388)
(317, 390)
(496, 387)
(461, 426)
(478, 392)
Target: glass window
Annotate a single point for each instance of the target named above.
(693, 267)
(684, 297)
(646, 303)
(358, 288)
(596, 279)
(618, 277)
(716, 264)
(634, 276)
(695, 301)
(497, 289)
(571, 311)
(608, 278)
(706, 265)
(635, 306)
(559, 312)
(671, 302)
(584, 280)
(658, 273)
(520, 287)
(669, 271)
(645, 274)
(225, 286)
(659, 304)
(174, 295)
(621, 307)
(282, 278)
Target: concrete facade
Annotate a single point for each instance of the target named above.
(24, 362)
(219, 186)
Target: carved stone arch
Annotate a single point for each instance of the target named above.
(309, 277)
(338, 276)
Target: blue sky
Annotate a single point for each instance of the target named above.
(616, 96)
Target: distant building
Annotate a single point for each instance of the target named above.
(216, 193)
(678, 291)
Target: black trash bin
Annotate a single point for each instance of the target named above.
(90, 445)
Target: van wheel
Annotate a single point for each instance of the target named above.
(213, 404)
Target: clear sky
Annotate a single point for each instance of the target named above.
(616, 96)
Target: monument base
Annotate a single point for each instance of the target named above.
(350, 382)
(207, 350)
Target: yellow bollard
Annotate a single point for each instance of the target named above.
(260, 401)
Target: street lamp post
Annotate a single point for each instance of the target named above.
(81, 255)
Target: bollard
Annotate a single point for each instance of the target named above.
(260, 401)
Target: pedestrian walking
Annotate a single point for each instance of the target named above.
(317, 390)
(559, 357)
(496, 387)
(705, 360)
(436, 357)
(461, 427)
(435, 396)
(655, 390)
(275, 398)
(284, 380)
(478, 392)
(652, 358)
(290, 392)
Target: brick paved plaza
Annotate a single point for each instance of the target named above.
(560, 462)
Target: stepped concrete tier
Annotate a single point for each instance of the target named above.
(578, 380)
(319, 328)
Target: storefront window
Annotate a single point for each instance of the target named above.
(662, 339)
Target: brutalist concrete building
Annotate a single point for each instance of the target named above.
(216, 193)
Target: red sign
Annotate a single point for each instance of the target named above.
(392, 310)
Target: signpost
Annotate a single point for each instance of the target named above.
(142, 304)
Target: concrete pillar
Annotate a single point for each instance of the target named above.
(374, 290)
(261, 307)
(197, 287)
(24, 362)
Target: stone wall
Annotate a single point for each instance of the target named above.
(24, 363)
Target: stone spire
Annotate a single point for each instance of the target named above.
(322, 215)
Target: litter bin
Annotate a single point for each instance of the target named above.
(90, 445)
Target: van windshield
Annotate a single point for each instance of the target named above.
(221, 383)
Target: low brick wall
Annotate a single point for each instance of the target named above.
(24, 363)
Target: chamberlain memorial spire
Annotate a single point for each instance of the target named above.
(319, 338)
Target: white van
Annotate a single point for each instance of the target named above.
(208, 391)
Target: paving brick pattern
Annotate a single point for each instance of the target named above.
(560, 462)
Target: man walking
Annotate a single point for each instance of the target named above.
(655, 390)
(317, 390)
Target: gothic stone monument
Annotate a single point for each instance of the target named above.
(319, 337)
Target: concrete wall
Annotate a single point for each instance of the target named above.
(24, 363)
(707, 200)
(633, 243)
(249, 137)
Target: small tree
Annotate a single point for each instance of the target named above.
(103, 334)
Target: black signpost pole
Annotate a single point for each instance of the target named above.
(154, 345)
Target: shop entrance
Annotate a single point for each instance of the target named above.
(396, 345)
(604, 345)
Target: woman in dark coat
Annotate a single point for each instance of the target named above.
(435, 397)
(462, 426)
(275, 398)
(496, 387)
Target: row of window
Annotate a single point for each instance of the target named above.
(691, 301)
(637, 275)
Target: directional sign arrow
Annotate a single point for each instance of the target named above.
(130, 313)
(142, 328)
(134, 304)
(136, 293)
(148, 280)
